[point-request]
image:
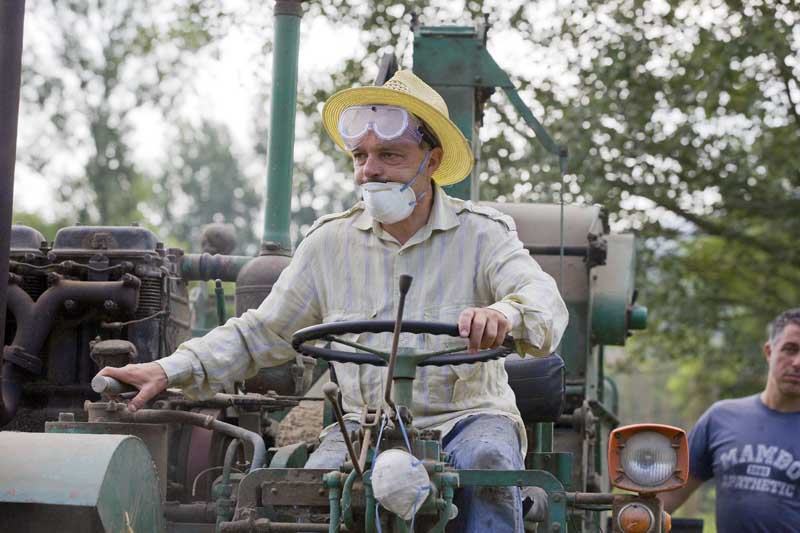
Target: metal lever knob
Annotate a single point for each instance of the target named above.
(110, 386)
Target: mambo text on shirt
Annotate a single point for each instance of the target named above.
(763, 463)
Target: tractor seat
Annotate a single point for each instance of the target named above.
(538, 383)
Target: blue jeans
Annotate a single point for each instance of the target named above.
(486, 442)
(478, 442)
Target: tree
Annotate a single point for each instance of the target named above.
(101, 63)
(203, 183)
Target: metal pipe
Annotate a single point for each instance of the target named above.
(155, 416)
(590, 498)
(267, 525)
(280, 150)
(230, 456)
(12, 16)
(204, 513)
(204, 267)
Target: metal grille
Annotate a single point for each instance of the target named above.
(149, 297)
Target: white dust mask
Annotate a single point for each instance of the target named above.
(391, 202)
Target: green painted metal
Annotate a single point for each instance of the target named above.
(557, 463)
(557, 501)
(369, 502)
(637, 317)
(454, 61)
(111, 475)
(280, 151)
(544, 437)
(347, 500)
(333, 482)
(612, 292)
(292, 456)
(219, 295)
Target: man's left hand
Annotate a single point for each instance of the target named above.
(485, 327)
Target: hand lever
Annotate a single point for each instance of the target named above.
(110, 386)
(331, 391)
(405, 284)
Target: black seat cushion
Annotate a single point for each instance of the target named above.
(538, 384)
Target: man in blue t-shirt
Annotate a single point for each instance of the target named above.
(751, 445)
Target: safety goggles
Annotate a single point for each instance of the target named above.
(387, 122)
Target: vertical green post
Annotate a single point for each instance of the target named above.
(461, 106)
(544, 437)
(280, 145)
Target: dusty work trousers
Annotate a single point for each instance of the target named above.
(477, 442)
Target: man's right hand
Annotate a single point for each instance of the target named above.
(149, 378)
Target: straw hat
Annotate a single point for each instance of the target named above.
(414, 95)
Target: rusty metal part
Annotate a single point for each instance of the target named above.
(203, 513)
(35, 320)
(301, 484)
(12, 16)
(112, 352)
(267, 525)
(256, 278)
(205, 266)
(331, 391)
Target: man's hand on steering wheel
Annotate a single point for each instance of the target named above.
(485, 327)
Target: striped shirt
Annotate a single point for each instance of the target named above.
(348, 267)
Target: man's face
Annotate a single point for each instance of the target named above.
(397, 160)
(784, 362)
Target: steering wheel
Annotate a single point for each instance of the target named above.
(301, 343)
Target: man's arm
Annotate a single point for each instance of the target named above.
(235, 351)
(525, 294)
(675, 498)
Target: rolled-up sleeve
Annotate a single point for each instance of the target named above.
(526, 294)
(259, 338)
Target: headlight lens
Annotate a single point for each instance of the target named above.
(649, 459)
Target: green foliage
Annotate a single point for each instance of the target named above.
(102, 61)
(34, 220)
(203, 183)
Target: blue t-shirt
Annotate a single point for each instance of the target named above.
(753, 454)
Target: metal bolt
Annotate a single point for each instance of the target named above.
(555, 527)
(69, 305)
(109, 305)
(273, 490)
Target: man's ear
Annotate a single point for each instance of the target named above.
(767, 351)
(434, 160)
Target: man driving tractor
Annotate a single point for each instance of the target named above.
(468, 265)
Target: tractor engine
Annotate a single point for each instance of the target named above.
(98, 296)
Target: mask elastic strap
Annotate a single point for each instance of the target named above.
(419, 171)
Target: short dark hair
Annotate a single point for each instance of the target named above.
(776, 327)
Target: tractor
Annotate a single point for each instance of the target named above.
(73, 456)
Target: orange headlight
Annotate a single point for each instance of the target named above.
(648, 458)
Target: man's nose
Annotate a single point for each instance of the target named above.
(372, 167)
